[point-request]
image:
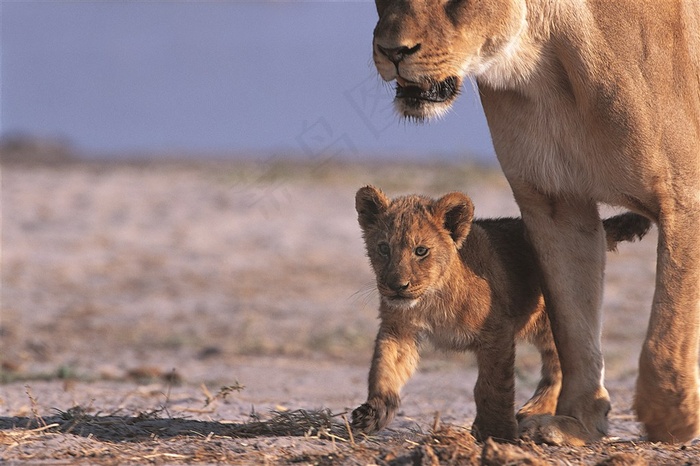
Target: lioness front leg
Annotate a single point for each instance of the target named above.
(395, 359)
(569, 241)
(494, 392)
(666, 401)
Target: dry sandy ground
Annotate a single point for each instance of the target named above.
(162, 312)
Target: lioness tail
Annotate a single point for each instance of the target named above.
(625, 227)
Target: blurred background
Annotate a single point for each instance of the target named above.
(279, 115)
(234, 79)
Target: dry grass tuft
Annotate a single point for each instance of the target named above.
(498, 454)
(298, 423)
(449, 445)
(148, 438)
(320, 423)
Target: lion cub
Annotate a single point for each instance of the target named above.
(461, 284)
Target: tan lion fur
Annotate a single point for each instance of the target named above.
(587, 101)
(464, 285)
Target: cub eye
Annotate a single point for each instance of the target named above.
(421, 251)
(384, 249)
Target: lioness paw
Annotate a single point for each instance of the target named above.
(372, 416)
(667, 416)
(556, 430)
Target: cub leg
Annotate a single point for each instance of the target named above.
(494, 392)
(395, 359)
(544, 400)
(666, 401)
(569, 240)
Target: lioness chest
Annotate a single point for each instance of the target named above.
(555, 147)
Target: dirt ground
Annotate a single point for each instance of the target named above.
(179, 312)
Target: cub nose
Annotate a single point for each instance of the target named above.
(397, 54)
(398, 286)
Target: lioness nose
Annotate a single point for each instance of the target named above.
(397, 54)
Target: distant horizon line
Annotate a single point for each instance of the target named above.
(64, 147)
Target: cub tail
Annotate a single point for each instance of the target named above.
(625, 227)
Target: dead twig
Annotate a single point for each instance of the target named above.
(349, 429)
(35, 406)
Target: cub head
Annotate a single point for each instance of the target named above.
(429, 46)
(412, 241)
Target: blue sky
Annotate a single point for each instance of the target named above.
(224, 77)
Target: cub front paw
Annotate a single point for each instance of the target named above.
(373, 416)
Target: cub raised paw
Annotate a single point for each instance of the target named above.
(373, 415)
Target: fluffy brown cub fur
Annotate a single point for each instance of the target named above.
(464, 285)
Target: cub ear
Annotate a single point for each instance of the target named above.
(369, 203)
(456, 212)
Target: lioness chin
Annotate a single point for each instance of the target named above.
(587, 101)
(464, 285)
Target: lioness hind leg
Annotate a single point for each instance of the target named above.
(667, 400)
(544, 400)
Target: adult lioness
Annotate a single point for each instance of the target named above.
(462, 284)
(587, 101)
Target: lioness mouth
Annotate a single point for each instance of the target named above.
(436, 92)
